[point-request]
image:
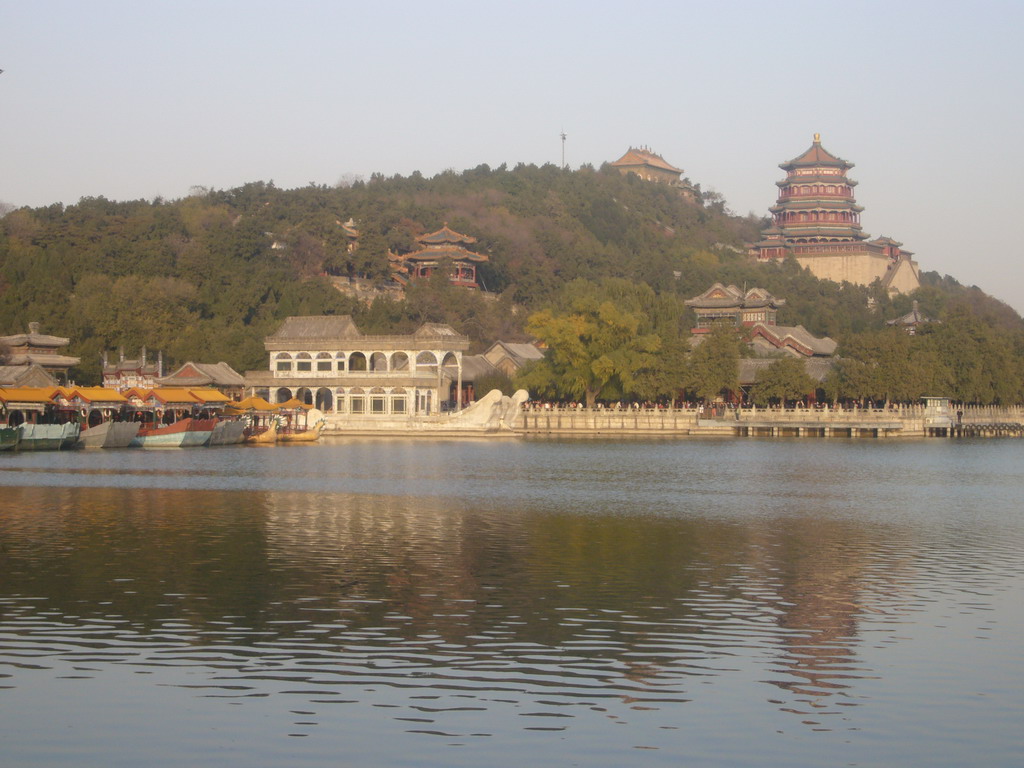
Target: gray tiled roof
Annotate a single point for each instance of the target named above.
(25, 376)
(34, 340)
(822, 346)
(131, 365)
(522, 351)
(436, 330)
(477, 366)
(216, 374)
(45, 360)
(316, 327)
(734, 297)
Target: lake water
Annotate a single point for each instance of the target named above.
(379, 602)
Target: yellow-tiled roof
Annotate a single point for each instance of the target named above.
(207, 395)
(175, 396)
(28, 394)
(96, 394)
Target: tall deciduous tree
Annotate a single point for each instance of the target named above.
(598, 340)
(784, 380)
(715, 363)
(669, 372)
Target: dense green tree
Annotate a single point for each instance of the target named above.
(594, 343)
(715, 363)
(666, 376)
(785, 380)
(883, 368)
(981, 361)
(201, 277)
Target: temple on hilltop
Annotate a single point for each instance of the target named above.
(755, 310)
(652, 167)
(444, 245)
(816, 220)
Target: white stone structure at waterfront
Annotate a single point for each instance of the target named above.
(374, 384)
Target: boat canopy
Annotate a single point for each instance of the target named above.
(93, 395)
(293, 404)
(252, 404)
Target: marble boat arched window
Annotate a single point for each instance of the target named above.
(357, 361)
(324, 399)
(399, 361)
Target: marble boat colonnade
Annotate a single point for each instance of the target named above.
(327, 362)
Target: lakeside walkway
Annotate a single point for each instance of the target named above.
(824, 421)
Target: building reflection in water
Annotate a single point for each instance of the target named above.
(656, 600)
(431, 594)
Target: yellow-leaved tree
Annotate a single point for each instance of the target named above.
(598, 339)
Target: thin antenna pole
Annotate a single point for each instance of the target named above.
(563, 149)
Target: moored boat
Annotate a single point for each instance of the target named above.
(9, 438)
(109, 434)
(310, 435)
(184, 433)
(300, 423)
(262, 435)
(228, 432)
(48, 437)
(103, 413)
(261, 420)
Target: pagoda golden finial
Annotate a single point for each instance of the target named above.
(817, 138)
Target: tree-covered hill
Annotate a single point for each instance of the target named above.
(208, 276)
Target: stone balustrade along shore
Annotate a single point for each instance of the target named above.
(750, 421)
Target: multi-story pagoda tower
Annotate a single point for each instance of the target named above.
(816, 203)
(816, 219)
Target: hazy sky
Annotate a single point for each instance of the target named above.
(143, 99)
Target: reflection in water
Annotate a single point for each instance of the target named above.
(472, 617)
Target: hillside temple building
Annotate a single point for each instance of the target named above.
(816, 219)
(756, 310)
(445, 246)
(649, 166)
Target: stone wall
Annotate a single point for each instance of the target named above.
(856, 268)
